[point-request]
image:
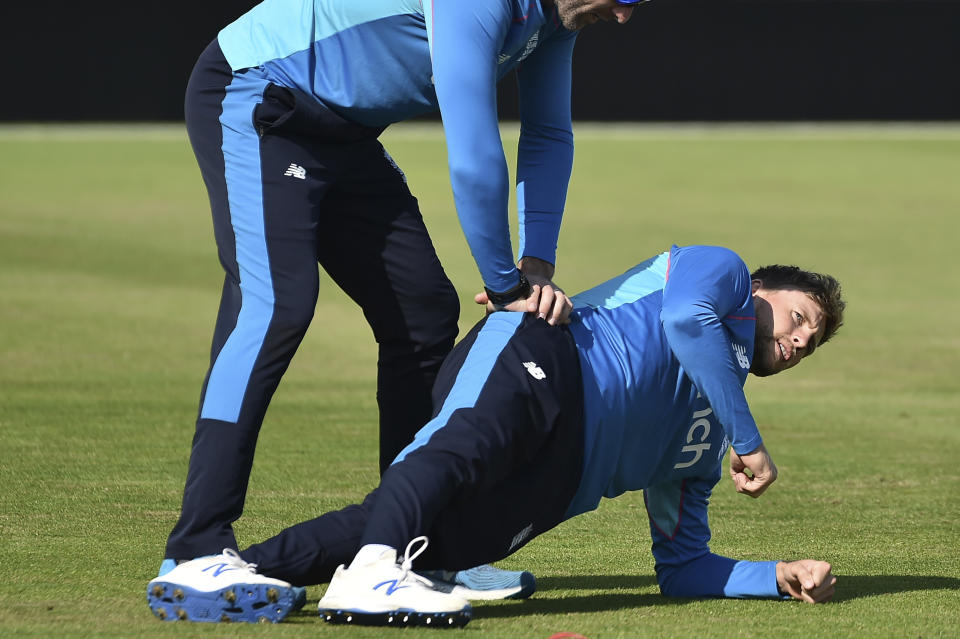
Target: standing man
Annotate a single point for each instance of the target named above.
(534, 425)
(283, 110)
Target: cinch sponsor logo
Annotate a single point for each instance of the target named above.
(701, 426)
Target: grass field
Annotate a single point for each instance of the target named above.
(109, 285)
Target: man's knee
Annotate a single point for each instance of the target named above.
(293, 314)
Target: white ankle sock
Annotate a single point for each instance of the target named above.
(369, 554)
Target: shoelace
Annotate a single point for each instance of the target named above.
(407, 564)
(235, 560)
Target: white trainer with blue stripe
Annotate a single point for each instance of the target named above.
(219, 588)
(385, 593)
(484, 583)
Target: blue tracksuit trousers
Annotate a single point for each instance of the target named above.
(293, 186)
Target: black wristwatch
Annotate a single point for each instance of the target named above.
(519, 292)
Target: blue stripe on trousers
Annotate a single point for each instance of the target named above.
(230, 373)
(490, 342)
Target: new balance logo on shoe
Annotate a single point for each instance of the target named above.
(297, 171)
(741, 354)
(392, 586)
(535, 371)
(218, 569)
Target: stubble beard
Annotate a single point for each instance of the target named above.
(569, 15)
(760, 366)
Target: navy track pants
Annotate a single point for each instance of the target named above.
(498, 464)
(292, 185)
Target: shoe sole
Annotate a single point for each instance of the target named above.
(244, 603)
(488, 595)
(398, 618)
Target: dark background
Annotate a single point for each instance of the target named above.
(675, 60)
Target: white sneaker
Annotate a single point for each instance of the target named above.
(484, 583)
(219, 588)
(385, 593)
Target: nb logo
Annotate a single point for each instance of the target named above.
(527, 49)
(297, 171)
(392, 586)
(218, 569)
(535, 371)
(520, 537)
(741, 354)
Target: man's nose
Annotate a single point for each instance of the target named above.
(802, 337)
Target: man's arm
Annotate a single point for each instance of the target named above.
(705, 285)
(545, 148)
(686, 568)
(544, 164)
(465, 40)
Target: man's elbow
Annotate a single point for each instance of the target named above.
(478, 176)
(682, 320)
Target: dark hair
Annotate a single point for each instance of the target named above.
(824, 289)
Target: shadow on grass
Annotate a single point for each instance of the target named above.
(859, 586)
(849, 587)
(607, 601)
(596, 582)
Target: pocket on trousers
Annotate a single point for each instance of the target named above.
(278, 106)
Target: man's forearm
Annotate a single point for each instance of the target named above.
(717, 576)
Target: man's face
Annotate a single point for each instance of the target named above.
(576, 14)
(789, 327)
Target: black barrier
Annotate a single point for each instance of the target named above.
(675, 60)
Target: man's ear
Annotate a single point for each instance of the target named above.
(756, 285)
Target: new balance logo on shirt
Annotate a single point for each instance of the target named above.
(741, 354)
(297, 171)
(535, 371)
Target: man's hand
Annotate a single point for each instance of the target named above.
(807, 580)
(759, 464)
(546, 299)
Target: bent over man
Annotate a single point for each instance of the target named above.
(283, 110)
(534, 425)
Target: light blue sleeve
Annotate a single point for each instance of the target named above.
(465, 40)
(705, 284)
(545, 150)
(684, 564)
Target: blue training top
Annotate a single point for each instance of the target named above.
(377, 62)
(665, 350)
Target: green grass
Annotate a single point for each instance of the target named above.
(109, 285)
